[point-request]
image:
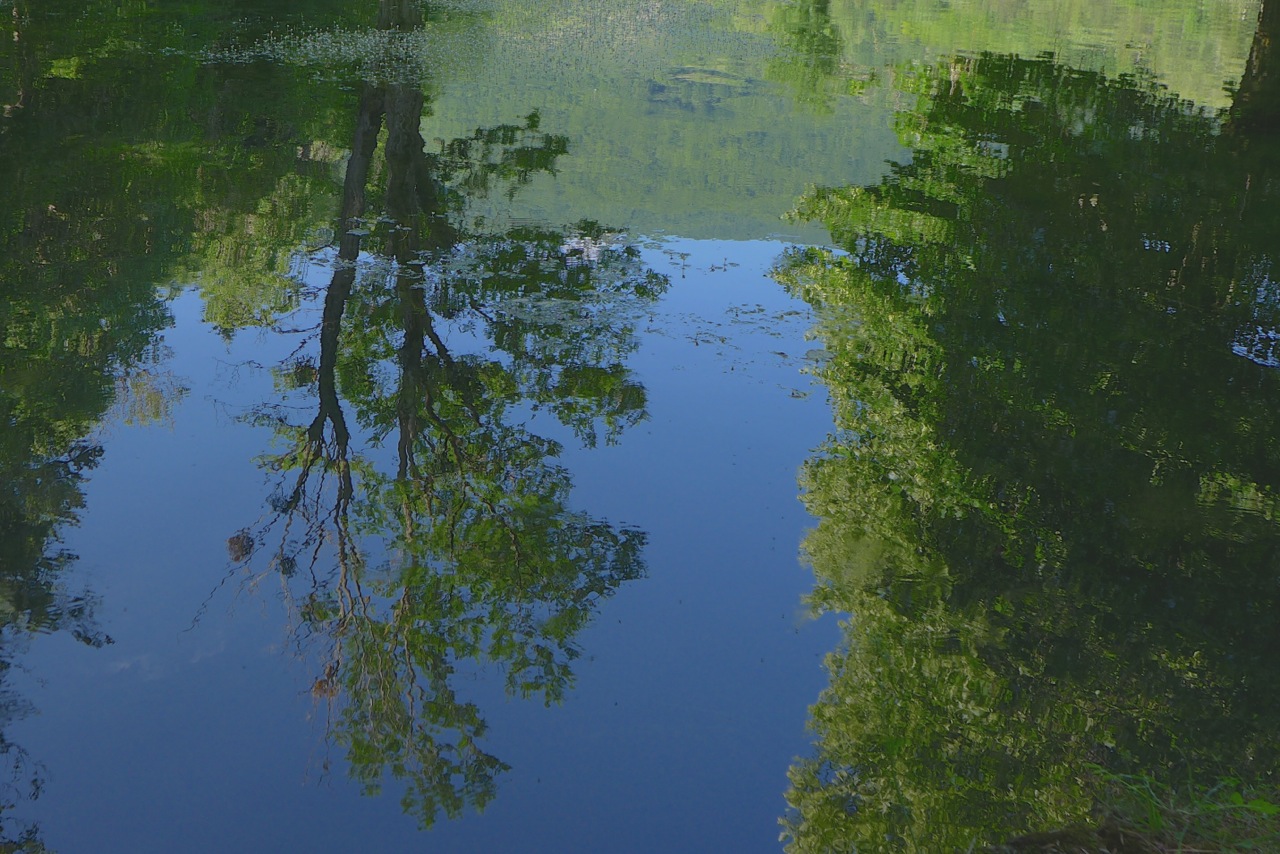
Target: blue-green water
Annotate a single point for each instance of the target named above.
(626, 426)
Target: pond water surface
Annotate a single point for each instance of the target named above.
(632, 426)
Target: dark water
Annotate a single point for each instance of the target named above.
(403, 408)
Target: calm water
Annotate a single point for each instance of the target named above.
(627, 426)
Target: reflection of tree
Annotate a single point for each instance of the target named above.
(467, 551)
(810, 50)
(1051, 508)
(109, 175)
(77, 318)
(42, 476)
(1256, 106)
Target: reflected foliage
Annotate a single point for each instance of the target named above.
(811, 55)
(421, 529)
(1050, 508)
(115, 180)
(79, 315)
(1191, 46)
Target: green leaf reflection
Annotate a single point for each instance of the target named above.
(89, 228)
(1049, 511)
(420, 526)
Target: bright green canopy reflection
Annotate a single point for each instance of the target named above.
(438, 337)
(1050, 507)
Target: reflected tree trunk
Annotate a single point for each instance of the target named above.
(414, 200)
(1257, 103)
(415, 194)
(368, 123)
